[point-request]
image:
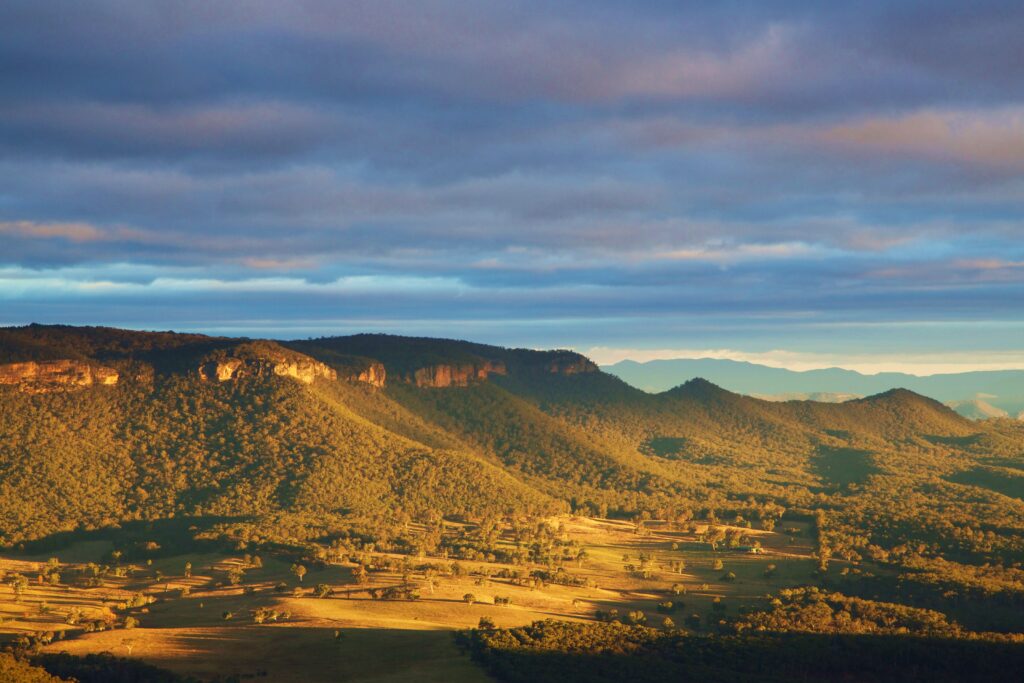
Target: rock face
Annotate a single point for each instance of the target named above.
(436, 363)
(464, 374)
(56, 375)
(571, 364)
(374, 374)
(365, 371)
(439, 376)
(227, 369)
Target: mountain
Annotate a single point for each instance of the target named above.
(1002, 389)
(300, 440)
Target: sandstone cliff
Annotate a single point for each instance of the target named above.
(435, 363)
(263, 359)
(227, 369)
(454, 375)
(570, 364)
(373, 374)
(56, 375)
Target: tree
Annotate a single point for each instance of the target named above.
(668, 624)
(188, 570)
(322, 590)
(235, 575)
(715, 535)
(718, 565)
(130, 622)
(264, 614)
(469, 598)
(361, 576)
(19, 584)
(299, 571)
(486, 623)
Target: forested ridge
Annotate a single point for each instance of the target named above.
(165, 441)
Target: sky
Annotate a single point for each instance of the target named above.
(803, 184)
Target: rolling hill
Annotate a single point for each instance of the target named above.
(1001, 389)
(294, 440)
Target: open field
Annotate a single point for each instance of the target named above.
(329, 627)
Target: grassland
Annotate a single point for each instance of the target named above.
(349, 635)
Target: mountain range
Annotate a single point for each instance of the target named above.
(286, 441)
(978, 395)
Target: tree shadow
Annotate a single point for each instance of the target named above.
(137, 540)
(615, 654)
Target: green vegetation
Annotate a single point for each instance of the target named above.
(598, 652)
(14, 670)
(914, 515)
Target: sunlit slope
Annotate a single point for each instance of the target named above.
(705, 413)
(182, 446)
(334, 430)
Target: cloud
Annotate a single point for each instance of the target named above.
(741, 252)
(980, 138)
(586, 168)
(98, 129)
(75, 232)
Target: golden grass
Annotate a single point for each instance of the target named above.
(381, 640)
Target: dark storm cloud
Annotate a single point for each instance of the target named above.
(518, 160)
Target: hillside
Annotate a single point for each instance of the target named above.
(245, 430)
(329, 432)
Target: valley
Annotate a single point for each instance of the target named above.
(239, 615)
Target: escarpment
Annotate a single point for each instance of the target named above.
(373, 374)
(434, 363)
(439, 376)
(262, 359)
(56, 375)
(232, 368)
(569, 363)
(100, 356)
(360, 370)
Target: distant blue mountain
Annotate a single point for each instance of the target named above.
(1002, 389)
